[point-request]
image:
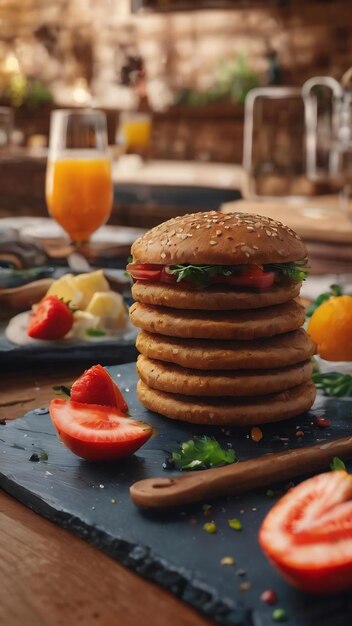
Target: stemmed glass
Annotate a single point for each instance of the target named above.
(78, 178)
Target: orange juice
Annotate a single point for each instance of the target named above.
(135, 131)
(79, 193)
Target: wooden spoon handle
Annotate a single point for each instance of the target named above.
(163, 493)
(23, 297)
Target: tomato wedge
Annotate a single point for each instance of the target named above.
(308, 534)
(144, 271)
(97, 433)
(96, 386)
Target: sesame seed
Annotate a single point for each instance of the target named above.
(268, 232)
(213, 243)
(218, 233)
(163, 255)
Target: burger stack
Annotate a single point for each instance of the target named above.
(221, 338)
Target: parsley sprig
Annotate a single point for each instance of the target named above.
(198, 275)
(202, 453)
(333, 384)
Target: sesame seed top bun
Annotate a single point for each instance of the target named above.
(217, 239)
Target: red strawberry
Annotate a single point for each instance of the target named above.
(51, 319)
(96, 386)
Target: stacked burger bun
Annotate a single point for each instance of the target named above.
(221, 338)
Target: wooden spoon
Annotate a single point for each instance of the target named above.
(164, 493)
(23, 297)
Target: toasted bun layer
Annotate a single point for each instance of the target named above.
(212, 299)
(216, 325)
(190, 382)
(230, 411)
(215, 238)
(202, 354)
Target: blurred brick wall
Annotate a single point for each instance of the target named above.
(59, 42)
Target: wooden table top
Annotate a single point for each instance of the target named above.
(49, 577)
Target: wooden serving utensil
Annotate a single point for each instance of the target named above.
(164, 493)
(21, 298)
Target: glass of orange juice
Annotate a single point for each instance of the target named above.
(78, 178)
(134, 131)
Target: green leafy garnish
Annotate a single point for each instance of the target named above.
(201, 453)
(335, 290)
(198, 275)
(210, 527)
(337, 464)
(235, 524)
(35, 457)
(294, 270)
(333, 384)
(95, 332)
(62, 389)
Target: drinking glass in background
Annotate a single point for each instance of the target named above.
(133, 132)
(78, 178)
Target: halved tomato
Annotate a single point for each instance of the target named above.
(308, 534)
(97, 433)
(96, 386)
(144, 271)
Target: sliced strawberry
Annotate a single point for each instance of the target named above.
(96, 386)
(51, 319)
(97, 433)
(308, 534)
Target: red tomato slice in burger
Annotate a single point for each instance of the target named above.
(96, 386)
(308, 534)
(97, 433)
(144, 271)
(252, 277)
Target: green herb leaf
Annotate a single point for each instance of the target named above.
(210, 527)
(62, 389)
(201, 453)
(95, 332)
(337, 464)
(294, 270)
(333, 384)
(235, 524)
(335, 290)
(198, 275)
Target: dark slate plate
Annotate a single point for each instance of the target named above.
(171, 549)
(118, 350)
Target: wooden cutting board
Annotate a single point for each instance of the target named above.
(316, 219)
(92, 500)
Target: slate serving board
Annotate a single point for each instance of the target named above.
(172, 549)
(113, 350)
